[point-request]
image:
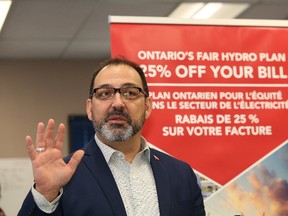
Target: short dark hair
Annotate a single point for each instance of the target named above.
(118, 61)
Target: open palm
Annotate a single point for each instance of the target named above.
(49, 169)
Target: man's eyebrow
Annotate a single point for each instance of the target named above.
(105, 86)
(129, 85)
(124, 85)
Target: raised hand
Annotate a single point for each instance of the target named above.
(49, 169)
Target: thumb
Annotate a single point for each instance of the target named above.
(75, 159)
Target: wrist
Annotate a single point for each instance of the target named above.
(48, 195)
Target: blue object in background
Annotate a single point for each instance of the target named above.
(80, 131)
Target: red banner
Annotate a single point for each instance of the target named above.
(220, 91)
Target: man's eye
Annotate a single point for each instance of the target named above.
(103, 93)
(130, 92)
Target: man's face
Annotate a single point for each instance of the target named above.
(118, 119)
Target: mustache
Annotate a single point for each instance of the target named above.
(118, 112)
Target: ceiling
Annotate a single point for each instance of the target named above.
(79, 29)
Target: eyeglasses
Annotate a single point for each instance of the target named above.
(126, 92)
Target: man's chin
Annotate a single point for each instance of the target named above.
(117, 126)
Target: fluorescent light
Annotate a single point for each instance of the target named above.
(184, 10)
(208, 11)
(201, 10)
(230, 11)
(4, 8)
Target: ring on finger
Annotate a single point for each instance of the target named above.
(40, 149)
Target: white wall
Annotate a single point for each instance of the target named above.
(33, 91)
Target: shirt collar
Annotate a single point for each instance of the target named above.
(107, 151)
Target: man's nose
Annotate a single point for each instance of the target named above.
(117, 100)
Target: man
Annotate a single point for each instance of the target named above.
(117, 173)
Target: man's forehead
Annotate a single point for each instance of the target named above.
(117, 74)
(121, 71)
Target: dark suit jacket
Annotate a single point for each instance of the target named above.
(92, 191)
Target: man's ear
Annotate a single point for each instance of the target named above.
(89, 109)
(148, 107)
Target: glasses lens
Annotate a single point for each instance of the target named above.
(130, 93)
(104, 93)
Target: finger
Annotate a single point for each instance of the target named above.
(75, 159)
(60, 137)
(30, 148)
(40, 135)
(49, 133)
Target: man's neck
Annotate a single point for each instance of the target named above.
(130, 148)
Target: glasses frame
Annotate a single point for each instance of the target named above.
(119, 91)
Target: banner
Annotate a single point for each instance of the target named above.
(220, 98)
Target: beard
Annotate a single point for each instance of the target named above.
(117, 132)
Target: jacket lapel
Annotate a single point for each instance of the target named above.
(162, 182)
(98, 166)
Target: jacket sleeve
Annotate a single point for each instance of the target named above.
(30, 208)
(198, 202)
